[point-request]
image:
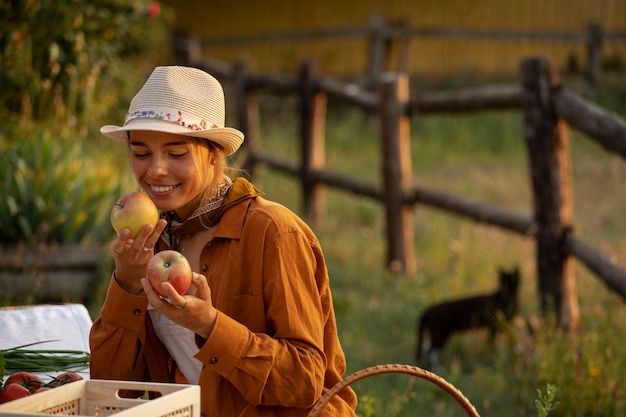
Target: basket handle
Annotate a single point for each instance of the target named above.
(396, 368)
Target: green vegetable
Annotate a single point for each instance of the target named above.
(29, 360)
(2, 363)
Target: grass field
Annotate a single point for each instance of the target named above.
(481, 156)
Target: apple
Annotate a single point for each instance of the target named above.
(133, 211)
(171, 266)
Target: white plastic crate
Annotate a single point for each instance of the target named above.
(89, 398)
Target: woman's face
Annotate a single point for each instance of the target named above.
(164, 168)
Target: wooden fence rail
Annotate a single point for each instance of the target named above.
(547, 106)
(385, 36)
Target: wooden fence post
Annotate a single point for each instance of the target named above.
(594, 52)
(312, 124)
(247, 113)
(397, 172)
(379, 45)
(548, 149)
(186, 48)
(403, 43)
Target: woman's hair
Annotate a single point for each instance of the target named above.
(210, 162)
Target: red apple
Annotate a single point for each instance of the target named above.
(171, 266)
(133, 211)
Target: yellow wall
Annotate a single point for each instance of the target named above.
(211, 19)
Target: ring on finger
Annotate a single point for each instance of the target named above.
(147, 249)
(184, 304)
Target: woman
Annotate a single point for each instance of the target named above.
(257, 329)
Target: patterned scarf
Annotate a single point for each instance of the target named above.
(225, 195)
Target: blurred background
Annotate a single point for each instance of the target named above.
(69, 67)
(428, 38)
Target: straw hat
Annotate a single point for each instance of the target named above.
(180, 100)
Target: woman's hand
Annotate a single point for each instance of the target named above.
(194, 311)
(132, 255)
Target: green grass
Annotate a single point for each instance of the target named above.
(481, 156)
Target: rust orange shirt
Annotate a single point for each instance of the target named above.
(274, 350)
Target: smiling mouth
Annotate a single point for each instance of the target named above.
(162, 188)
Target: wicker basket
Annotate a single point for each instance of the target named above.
(396, 368)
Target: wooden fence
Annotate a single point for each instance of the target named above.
(389, 42)
(383, 35)
(547, 106)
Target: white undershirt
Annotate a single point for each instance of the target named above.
(180, 341)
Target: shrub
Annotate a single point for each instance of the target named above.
(54, 190)
(53, 54)
(64, 66)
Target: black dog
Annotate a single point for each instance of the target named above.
(441, 320)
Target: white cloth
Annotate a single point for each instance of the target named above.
(65, 326)
(180, 343)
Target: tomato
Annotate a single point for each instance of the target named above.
(13, 392)
(64, 378)
(26, 379)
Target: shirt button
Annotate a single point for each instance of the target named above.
(214, 360)
(205, 268)
(136, 312)
(209, 245)
(311, 351)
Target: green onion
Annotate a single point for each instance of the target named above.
(29, 360)
(2, 363)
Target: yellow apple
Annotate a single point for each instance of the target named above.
(171, 266)
(133, 211)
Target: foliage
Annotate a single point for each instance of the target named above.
(64, 67)
(53, 54)
(545, 403)
(54, 189)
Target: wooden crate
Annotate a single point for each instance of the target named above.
(99, 398)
